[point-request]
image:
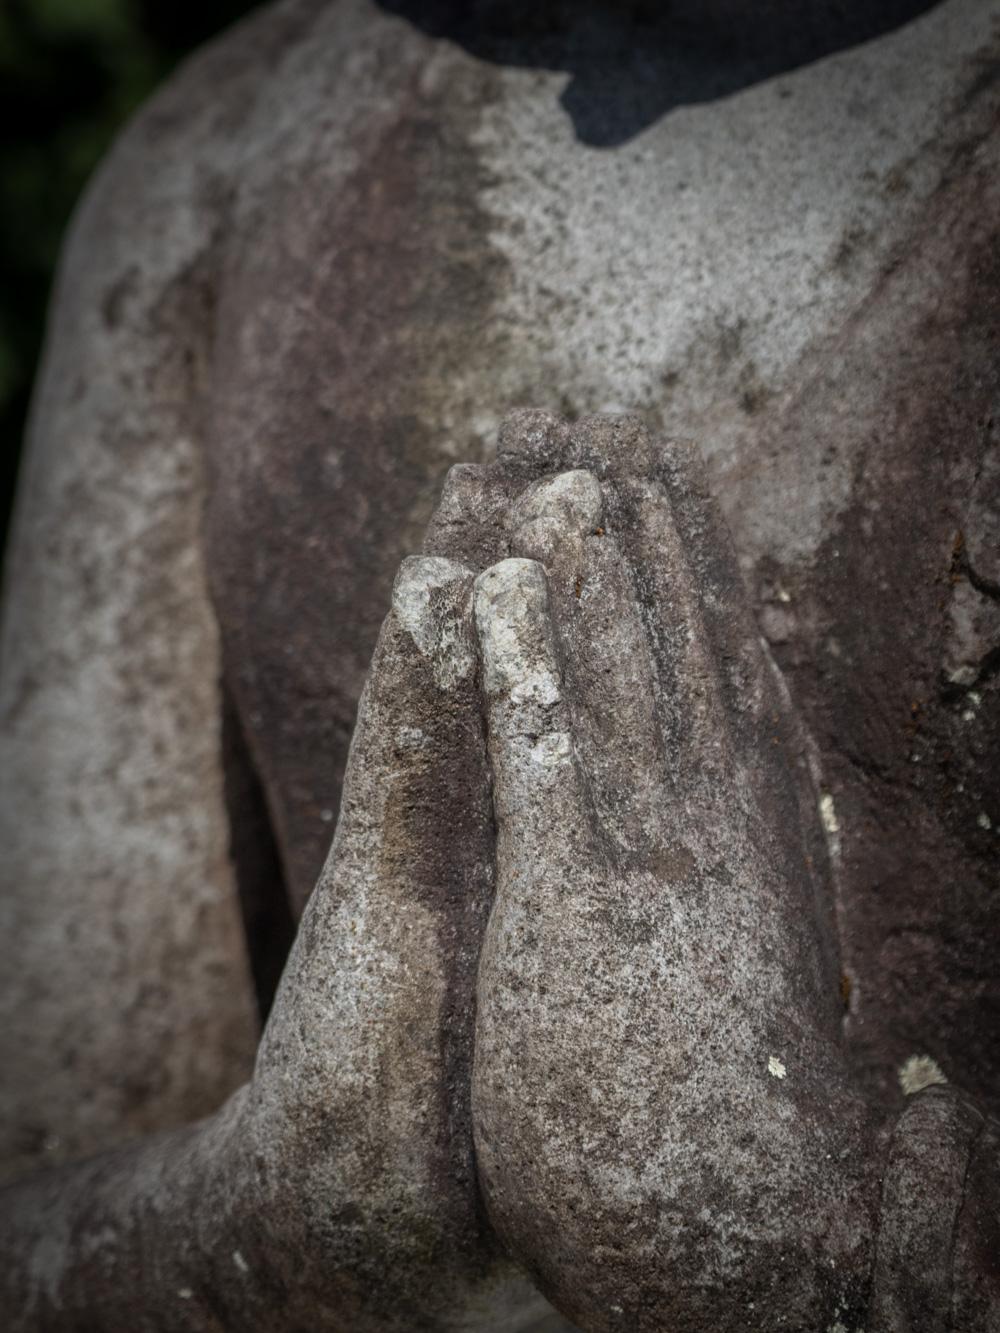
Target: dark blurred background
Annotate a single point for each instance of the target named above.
(71, 72)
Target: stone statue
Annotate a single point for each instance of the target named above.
(741, 895)
(610, 989)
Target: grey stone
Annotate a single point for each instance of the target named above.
(566, 998)
(338, 1189)
(320, 268)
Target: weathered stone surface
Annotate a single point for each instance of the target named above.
(657, 1058)
(630, 1082)
(668, 1128)
(919, 1281)
(318, 269)
(338, 1190)
(126, 1003)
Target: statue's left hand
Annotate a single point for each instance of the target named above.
(338, 1189)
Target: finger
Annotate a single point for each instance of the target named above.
(533, 441)
(707, 660)
(470, 522)
(545, 858)
(725, 607)
(611, 446)
(771, 743)
(560, 521)
(542, 808)
(732, 743)
(762, 724)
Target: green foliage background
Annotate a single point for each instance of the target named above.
(71, 72)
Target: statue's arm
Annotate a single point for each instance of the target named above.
(126, 1002)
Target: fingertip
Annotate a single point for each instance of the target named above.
(512, 620)
(612, 446)
(539, 796)
(468, 524)
(533, 438)
(431, 602)
(419, 574)
(574, 496)
(680, 465)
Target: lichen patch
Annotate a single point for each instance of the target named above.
(919, 1071)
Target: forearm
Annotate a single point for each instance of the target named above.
(149, 1237)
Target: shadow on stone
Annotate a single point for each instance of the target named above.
(631, 63)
